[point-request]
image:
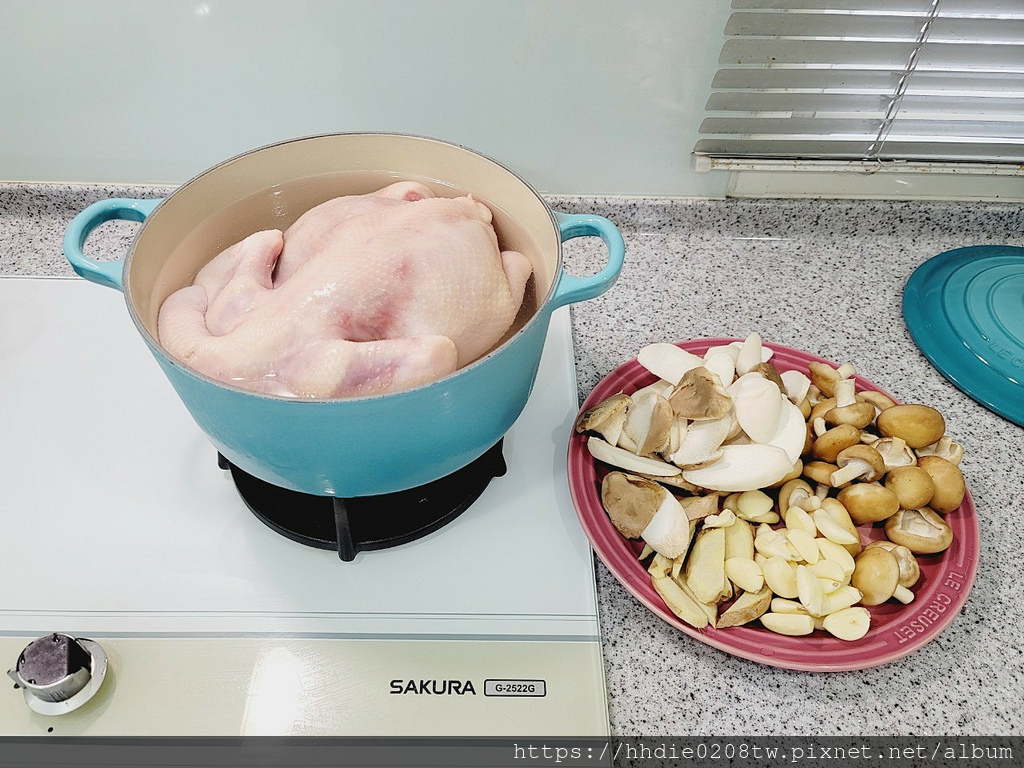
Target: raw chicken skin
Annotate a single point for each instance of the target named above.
(362, 295)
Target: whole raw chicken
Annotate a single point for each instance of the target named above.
(363, 294)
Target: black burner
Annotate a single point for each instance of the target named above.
(366, 522)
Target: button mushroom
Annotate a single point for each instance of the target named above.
(945, 448)
(895, 452)
(848, 410)
(821, 408)
(869, 502)
(919, 425)
(922, 531)
(699, 396)
(857, 462)
(830, 443)
(910, 571)
(797, 493)
(876, 574)
(913, 486)
(950, 488)
(819, 472)
(877, 399)
(824, 377)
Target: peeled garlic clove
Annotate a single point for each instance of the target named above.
(723, 519)
(842, 598)
(797, 519)
(771, 518)
(831, 529)
(830, 570)
(745, 574)
(809, 591)
(782, 605)
(804, 544)
(752, 504)
(830, 585)
(834, 552)
(772, 544)
(793, 624)
(848, 624)
(780, 576)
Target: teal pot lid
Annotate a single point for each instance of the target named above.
(965, 310)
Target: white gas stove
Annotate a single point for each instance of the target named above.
(120, 527)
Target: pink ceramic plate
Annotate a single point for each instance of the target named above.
(896, 630)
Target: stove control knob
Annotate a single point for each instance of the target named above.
(59, 673)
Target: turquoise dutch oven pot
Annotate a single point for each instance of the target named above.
(359, 446)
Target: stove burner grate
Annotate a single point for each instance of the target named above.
(366, 523)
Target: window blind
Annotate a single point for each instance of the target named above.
(918, 81)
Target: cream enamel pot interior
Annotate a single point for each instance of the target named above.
(360, 446)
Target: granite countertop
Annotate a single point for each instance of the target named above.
(822, 276)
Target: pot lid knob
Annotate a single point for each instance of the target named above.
(59, 673)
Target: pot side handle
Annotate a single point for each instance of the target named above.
(108, 273)
(571, 289)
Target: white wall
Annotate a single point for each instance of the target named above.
(598, 97)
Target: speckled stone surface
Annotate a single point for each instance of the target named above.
(823, 276)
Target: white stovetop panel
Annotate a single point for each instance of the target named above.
(116, 519)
